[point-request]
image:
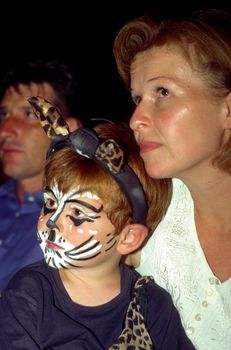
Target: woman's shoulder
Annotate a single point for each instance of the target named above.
(158, 297)
(178, 216)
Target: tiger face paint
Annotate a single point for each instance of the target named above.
(73, 229)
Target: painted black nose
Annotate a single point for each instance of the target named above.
(51, 224)
(51, 236)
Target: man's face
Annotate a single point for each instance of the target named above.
(23, 143)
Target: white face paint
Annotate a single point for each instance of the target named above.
(93, 232)
(79, 230)
(62, 198)
(64, 243)
(59, 253)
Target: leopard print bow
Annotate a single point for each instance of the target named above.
(111, 154)
(50, 119)
(108, 152)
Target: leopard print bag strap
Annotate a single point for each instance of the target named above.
(135, 335)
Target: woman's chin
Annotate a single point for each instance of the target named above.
(156, 172)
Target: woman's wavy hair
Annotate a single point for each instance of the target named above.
(204, 39)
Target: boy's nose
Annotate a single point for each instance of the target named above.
(51, 224)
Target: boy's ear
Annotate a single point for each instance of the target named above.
(73, 123)
(131, 238)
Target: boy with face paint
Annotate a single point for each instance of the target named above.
(98, 207)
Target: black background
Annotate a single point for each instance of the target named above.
(82, 34)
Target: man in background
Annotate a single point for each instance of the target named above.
(23, 147)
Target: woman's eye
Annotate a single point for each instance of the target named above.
(136, 99)
(162, 92)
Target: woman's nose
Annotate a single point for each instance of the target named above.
(137, 121)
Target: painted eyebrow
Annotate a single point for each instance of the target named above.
(85, 204)
(48, 189)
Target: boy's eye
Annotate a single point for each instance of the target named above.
(49, 206)
(76, 212)
(50, 203)
(83, 214)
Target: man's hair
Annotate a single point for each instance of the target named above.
(57, 74)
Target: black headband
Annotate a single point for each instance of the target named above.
(109, 155)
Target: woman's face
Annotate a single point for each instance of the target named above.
(177, 123)
(73, 229)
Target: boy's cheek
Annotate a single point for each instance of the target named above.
(41, 226)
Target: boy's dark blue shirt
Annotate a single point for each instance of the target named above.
(37, 313)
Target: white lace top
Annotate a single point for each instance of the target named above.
(174, 257)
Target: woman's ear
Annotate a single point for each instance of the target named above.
(131, 238)
(73, 123)
(228, 111)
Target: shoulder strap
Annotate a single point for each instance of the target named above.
(135, 333)
(142, 296)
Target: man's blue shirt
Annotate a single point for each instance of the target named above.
(18, 225)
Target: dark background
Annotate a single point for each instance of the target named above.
(82, 34)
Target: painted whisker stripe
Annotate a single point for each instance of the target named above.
(81, 245)
(86, 253)
(110, 240)
(57, 253)
(84, 248)
(69, 264)
(63, 266)
(110, 246)
(90, 257)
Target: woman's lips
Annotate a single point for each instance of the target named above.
(148, 146)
